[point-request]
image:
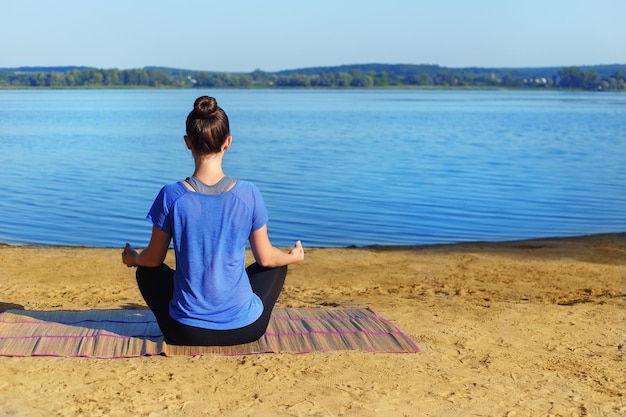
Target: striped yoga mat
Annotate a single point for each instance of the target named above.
(133, 333)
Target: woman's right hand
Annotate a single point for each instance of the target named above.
(129, 256)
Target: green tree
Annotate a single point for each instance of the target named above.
(293, 80)
(360, 79)
(446, 79)
(575, 77)
(421, 79)
(57, 79)
(343, 79)
(112, 77)
(71, 77)
(38, 79)
(591, 80)
(326, 79)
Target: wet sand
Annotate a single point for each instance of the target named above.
(525, 328)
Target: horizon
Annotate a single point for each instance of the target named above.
(274, 36)
(314, 67)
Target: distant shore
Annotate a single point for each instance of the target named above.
(397, 88)
(376, 75)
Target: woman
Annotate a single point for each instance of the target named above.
(211, 298)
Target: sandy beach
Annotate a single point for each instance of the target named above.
(525, 328)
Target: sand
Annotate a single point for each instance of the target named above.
(527, 328)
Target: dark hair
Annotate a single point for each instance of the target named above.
(207, 126)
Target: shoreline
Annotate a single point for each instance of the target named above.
(374, 245)
(285, 88)
(524, 328)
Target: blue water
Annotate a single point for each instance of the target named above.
(336, 168)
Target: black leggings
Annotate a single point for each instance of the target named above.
(157, 287)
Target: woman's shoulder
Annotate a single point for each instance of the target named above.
(245, 184)
(174, 190)
(246, 190)
(246, 187)
(175, 187)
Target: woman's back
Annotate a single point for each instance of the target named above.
(209, 234)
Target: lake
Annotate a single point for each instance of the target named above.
(336, 167)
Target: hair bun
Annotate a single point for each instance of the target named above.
(205, 106)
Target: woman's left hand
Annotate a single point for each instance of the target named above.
(297, 252)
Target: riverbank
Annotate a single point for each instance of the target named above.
(519, 328)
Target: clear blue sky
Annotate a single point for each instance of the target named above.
(244, 35)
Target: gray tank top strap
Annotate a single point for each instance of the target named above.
(218, 188)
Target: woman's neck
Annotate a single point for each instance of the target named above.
(209, 168)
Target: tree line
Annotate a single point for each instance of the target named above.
(85, 77)
(356, 76)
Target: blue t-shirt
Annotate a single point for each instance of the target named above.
(209, 233)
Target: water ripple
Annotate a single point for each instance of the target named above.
(336, 168)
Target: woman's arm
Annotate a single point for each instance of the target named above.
(153, 255)
(269, 256)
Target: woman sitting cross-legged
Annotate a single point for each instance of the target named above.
(211, 298)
